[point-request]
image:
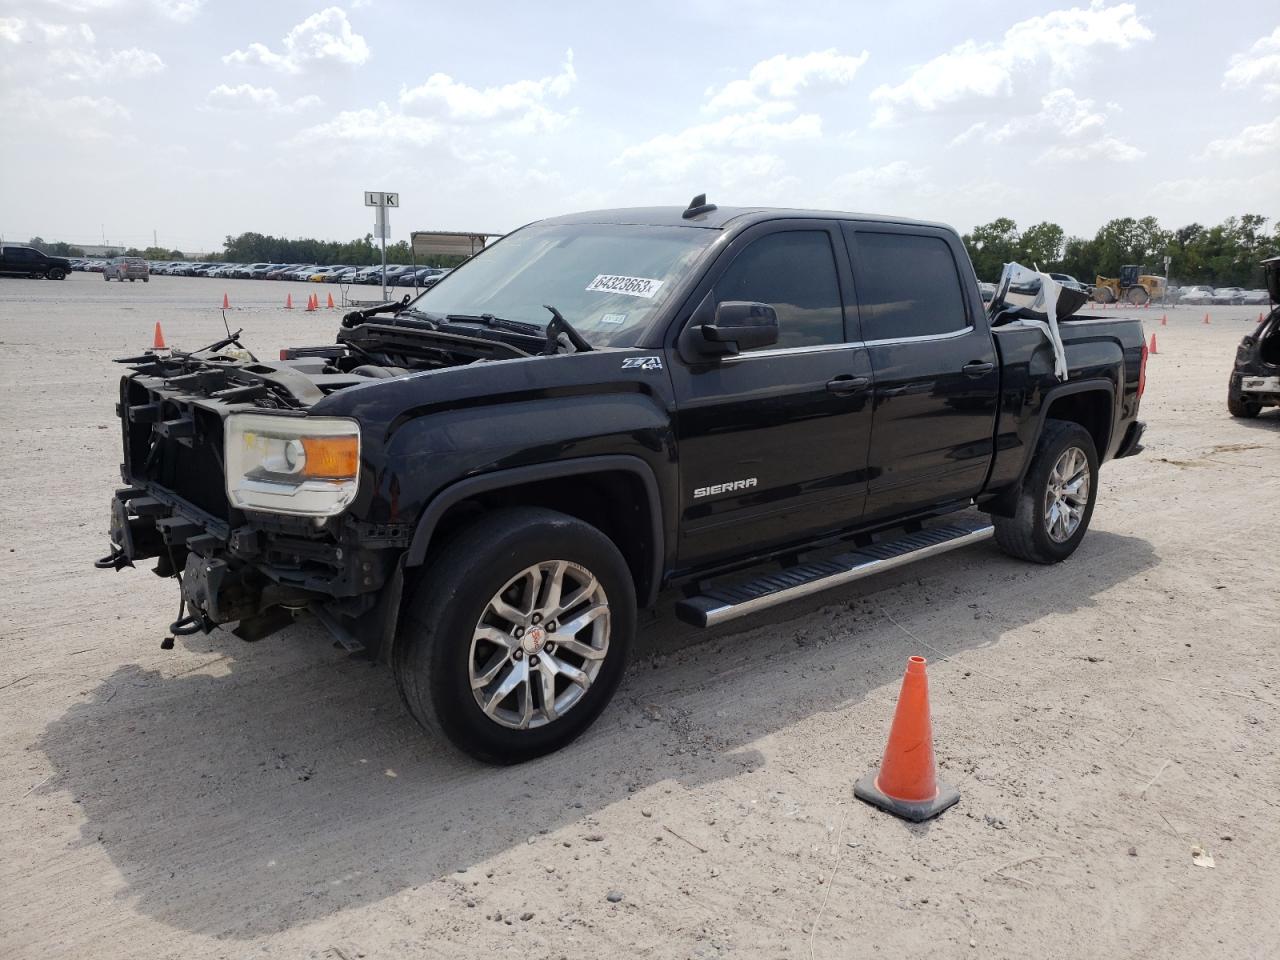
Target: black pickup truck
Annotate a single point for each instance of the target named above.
(481, 487)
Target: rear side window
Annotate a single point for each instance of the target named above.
(795, 273)
(908, 286)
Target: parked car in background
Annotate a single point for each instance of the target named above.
(422, 277)
(326, 274)
(126, 268)
(1067, 280)
(1256, 298)
(303, 272)
(279, 271)
(1196, 295)
(20, 260)
(1228, 295)
(345, 275)
(986, 290)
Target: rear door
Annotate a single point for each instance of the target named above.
(773, 441)
(934, 363)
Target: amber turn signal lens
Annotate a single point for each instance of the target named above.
(330, 457)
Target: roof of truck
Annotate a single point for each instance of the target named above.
(720, 217)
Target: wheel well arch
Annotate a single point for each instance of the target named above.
(617, 495)
(1091, 405)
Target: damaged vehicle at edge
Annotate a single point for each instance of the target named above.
(481, 487)
(1255, 379)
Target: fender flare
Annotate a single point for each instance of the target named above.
(1093, 385)
(461, 490)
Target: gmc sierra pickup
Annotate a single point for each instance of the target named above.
(480, 487)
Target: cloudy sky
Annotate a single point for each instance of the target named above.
(199, 118)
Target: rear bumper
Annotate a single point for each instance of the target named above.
(1132, 442)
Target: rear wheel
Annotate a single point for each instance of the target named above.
(1137, 296)
(1055, 503)
(518, 634)
(1238, 406)
(105, 277)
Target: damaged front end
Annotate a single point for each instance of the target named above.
(231, 487)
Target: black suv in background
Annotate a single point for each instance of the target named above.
(19, 260)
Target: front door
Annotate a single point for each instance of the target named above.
(773, 441)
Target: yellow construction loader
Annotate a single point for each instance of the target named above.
(1131, 286)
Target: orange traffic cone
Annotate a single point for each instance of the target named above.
(906, 784)
(157, 343)
(1206, 318)
(331, 301)
(311, 305)
(1151, 350)
(1164, 320)
(288, 302)
(226, 304)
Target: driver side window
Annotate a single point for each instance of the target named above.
(795, 273)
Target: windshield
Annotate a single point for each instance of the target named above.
(608, 280)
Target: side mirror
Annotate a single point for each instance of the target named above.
(740, 325)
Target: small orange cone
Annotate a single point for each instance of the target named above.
(1206, 318)
(157, 342)
(311, 305)
(226, 304)
(1151, 350)
(288, 302)
(1164, 320)
(907, 784)
(331, 301)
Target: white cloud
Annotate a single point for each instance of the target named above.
(178, 10)
(70, 52)
(672, 156)
(87, 64)
(1262, 138)
(1058, 40)
(521, 103)
(82, 118)
(1226, 191)
(782, 77)
(246, 96)
(1260, 65)
(1101, 148)
(376, 126)
(970, 132)
(322, 38)
(1062, 112)
(872, 182)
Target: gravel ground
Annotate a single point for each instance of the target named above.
(222, 799)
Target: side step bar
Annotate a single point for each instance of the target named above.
(720, 604)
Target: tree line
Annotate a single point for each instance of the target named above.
(1225, 255)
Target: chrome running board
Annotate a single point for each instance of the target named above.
(720, 604)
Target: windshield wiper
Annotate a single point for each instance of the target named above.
(498, 323)
(560, 333)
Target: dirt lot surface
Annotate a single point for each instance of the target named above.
(1100, 719)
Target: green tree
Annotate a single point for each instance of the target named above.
(1042, 244)
(991, 246)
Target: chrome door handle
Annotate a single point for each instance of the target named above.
(977, 368)
(846, 384)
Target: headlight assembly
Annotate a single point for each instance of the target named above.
(309, 466)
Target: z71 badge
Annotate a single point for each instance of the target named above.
(642, 363)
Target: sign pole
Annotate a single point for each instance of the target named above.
(382, 232)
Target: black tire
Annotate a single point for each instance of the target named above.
(146, 279)
(57, 273)
(1025, 535)
(433, 651)
(1138, 296)
(105, 277)
(1238, 406)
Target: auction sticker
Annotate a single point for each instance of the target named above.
(628, 286)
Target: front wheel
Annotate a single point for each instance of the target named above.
(517, 635)
(1056, 499)
(57, 273)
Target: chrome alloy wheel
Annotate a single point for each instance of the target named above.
(539, 644)
(1067, 495)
